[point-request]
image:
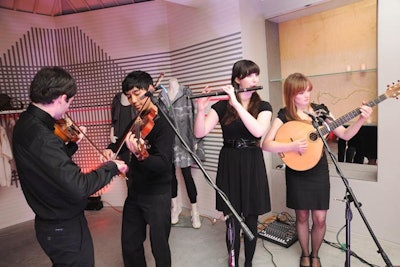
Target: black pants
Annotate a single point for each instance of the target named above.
(67, 243)
(140, 211)
(189, 182)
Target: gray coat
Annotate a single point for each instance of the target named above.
(181, 112)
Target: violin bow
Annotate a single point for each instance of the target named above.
(85, 135)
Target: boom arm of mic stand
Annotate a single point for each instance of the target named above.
(246, 230)
(350, 197)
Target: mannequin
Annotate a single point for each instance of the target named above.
(173, 89)
(181, 111)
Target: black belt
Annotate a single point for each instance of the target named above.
(241, 143)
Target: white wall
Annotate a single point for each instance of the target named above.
(14, 24)
(124, 31)
(379, 199)
(384, 198)
(191, 25)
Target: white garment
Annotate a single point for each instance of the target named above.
(173, 88)
(5, 157)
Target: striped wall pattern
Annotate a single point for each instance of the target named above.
(99, 77)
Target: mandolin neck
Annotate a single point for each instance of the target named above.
(350, 115)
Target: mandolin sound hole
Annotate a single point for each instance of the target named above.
(313, 136)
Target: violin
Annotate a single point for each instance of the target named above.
(142, 127)
(66, 130)
(69, 131)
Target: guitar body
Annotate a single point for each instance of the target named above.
(294, 130)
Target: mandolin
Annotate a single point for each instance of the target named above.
(294, 130)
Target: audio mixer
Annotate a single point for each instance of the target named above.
(280, 233)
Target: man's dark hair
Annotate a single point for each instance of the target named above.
(51, 82)
(138, 79)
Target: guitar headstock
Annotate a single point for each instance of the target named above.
(393, 90)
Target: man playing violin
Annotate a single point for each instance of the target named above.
(53, 185)
(149, 184)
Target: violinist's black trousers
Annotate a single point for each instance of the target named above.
(66, 243)
(139, 211)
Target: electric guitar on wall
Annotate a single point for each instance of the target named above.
(294, 130)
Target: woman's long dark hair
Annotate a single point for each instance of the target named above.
(241, 69)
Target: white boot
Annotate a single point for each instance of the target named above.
(196, 223)
(175, 211)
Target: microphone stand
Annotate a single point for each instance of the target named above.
(246, 230)
(349, 197)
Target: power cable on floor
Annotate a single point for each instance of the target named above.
(263, 224)
(113, 207)
(270, 253)
(342, 247)
(286, 217)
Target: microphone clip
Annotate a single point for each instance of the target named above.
(150, 92)
(311, 115)
(315, 117)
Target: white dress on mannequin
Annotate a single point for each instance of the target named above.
(173, 88)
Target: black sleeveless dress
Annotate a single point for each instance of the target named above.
(310, 189)
(241, 171)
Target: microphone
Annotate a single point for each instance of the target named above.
(150, 92)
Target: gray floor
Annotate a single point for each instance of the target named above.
(190, 247)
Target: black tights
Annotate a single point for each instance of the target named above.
(249, 246)
(189, 182)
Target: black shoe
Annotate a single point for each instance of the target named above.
(315, 259)
(309, 261)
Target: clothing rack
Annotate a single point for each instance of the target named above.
(9, 115)
(7, 121)
(16, 111)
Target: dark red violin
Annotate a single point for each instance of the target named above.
(142, 127)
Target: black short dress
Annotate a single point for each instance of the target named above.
(310, 189)
(241, 171)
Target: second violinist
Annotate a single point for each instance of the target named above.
(149, 182)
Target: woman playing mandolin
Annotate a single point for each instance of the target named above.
(306, 189)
